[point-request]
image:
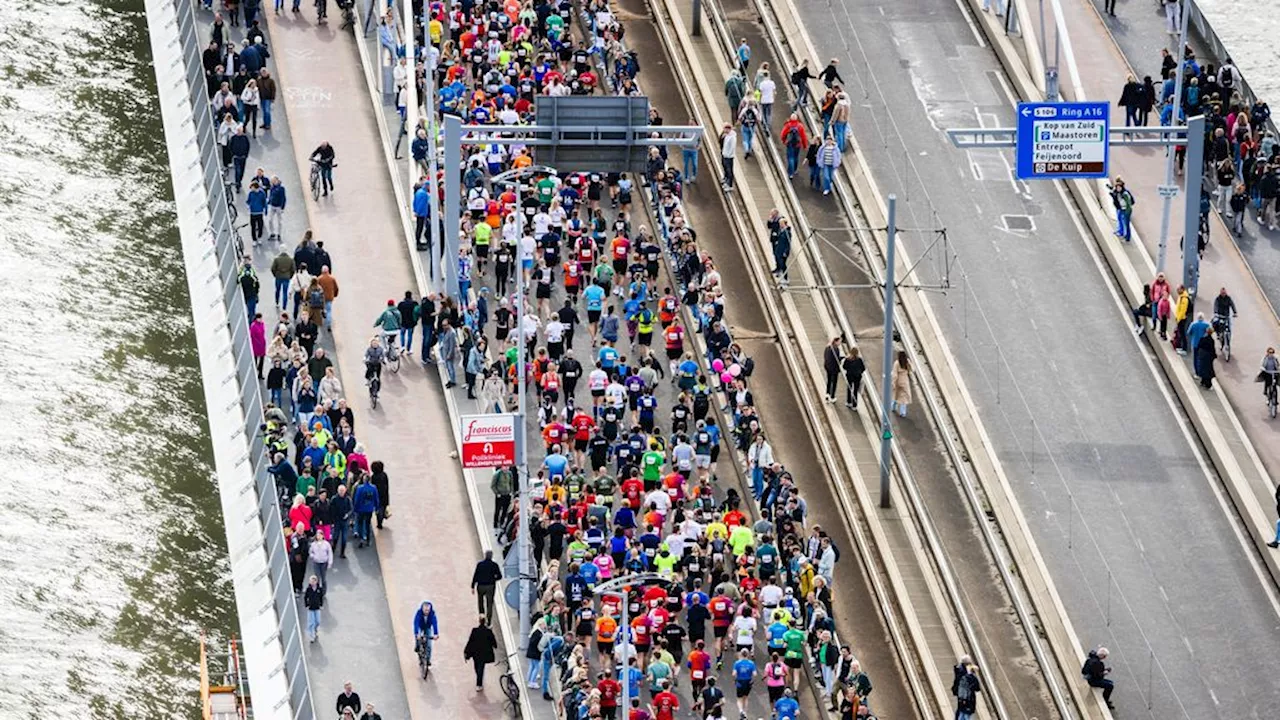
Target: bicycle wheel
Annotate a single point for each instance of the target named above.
(393, 361)
(509, 688)
(1226, 347)
(232, 211)
(424, 664)
(1271, 406)
(315, 182)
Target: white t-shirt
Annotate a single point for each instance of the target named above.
(744, 629)
(597, 380)
(555, 330)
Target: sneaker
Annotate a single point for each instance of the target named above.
(1137, 329)
(1273, 544)
(850, 405)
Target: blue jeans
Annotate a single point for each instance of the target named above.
(282, 293)
(828, 176)
(1123, 228)
(546, 673)
(251, 304)
(814, 176)
(266, 105)
(406, 337)
(450, 371)
(313, 622)
(535, 673)
(757, 482)
(748, 134)
(328, 314)
(238, 163)
(326, 177)
(690, 158)
(464, 287)
(340, 537)
(362, 525)
(766, 111)
(793, 159)
(277, 395)
(841, 130)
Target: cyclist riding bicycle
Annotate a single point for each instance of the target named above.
(1269, 371)
(373, 360)
(324, 157)
(1224, 308)
(425, 628)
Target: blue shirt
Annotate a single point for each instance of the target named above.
(608, 357)
(633, 681)
(776, 631)
(594, 295)
(744, 671)
(786, 708)
(422, 202)
(257, 201)
(556, 464)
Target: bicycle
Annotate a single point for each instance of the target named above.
(1273, 394)
(316, 180)
(391, 356)
(373, 380)
(1222, 327)
(422, 646)
(510, 688)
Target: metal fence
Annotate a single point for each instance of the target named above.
(265, 602)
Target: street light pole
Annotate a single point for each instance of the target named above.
(1179, 54)
(616, 587)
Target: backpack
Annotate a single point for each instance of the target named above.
(315, 298)
(964, 691)
(792, 138)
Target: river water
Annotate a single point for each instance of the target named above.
(1255, 51)
(114, 552)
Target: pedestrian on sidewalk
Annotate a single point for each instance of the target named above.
(382, 483)
(767, 91)
(313, 599)
(744, 56)
(1275, 367)
(728, 148)
(800, 83)
(238, 145)
(256, 201)
(447, 346)
(1123, 201)
(1130, 100)
(794, 139)
(854, 368)
(369, 713)
(329, 285)
(276, 201)
(735, 89)
(1206, 351)
(840, 119)
(1109, 7)
(484, 582)
(365, 504)
(832, 359)
(249, 286)
(348, 699)
(780, 240)
(829, 159)
(901, 383)
(258, 341)
(689, 156)
(321, 554)
(479, 649)
(965, 687)
(1181, 305)
(1239, 205)
(748, 118)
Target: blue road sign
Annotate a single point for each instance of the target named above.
(1063, 140)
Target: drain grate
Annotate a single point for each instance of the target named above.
(1021, 223)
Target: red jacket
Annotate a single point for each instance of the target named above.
(799, 126)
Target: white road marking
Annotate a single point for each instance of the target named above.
(1214, 697)
(977, 35)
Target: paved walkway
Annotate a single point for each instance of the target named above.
(355, 645)
(1102, 69)
(325, 95)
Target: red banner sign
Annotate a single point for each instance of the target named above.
(488, 440)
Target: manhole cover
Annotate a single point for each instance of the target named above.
(1021, 223)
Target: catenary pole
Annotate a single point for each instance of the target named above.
(886, 428)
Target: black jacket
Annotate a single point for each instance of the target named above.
(831, 360)
(313, 598)
(487, 573)
(382, 483)
(480, 645)
(348, 701)
(1094, 669)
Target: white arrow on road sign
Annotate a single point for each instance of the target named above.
(1026, 112)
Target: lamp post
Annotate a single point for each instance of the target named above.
(617, 588)
(522, 417)
(1167, 203)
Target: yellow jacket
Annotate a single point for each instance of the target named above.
(1182, 307)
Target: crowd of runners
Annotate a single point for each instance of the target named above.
(635, 471)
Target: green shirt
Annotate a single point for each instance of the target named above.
(658, 671)
(305, 482)
(546, 190)
(794, 640)
(651, 464)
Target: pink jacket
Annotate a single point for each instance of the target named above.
(258, 338)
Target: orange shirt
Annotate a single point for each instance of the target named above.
(606, 629)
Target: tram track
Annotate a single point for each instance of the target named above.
(1036, 686)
